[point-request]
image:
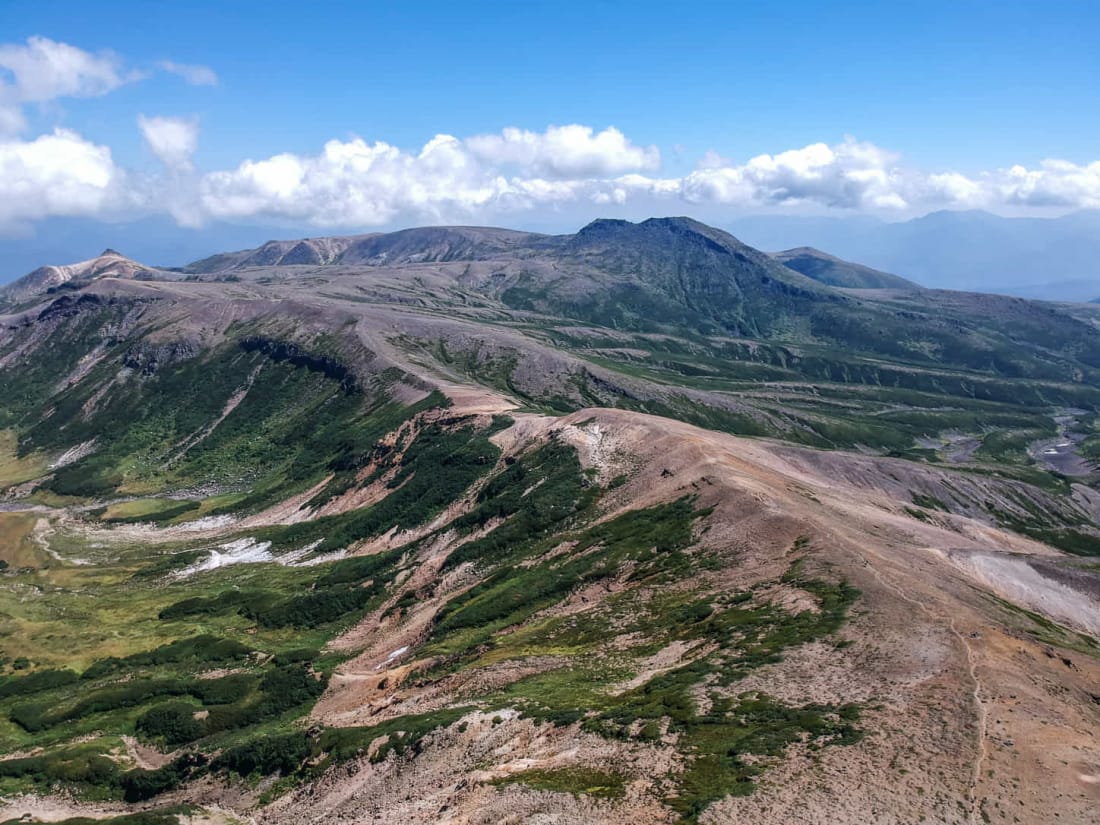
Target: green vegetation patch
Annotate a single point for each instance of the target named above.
(436, 469)
(166, 817)
(196, 650)
(154, 510)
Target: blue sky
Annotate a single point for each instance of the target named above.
(893, 109)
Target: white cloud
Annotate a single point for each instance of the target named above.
(11, 119)
(572, 151)
(172, 139)
(712, 160)
(355, 183)
(1056, 183)
(57, 174)
(42, 69)
(496, 178)
(192, 73)
(848, 175)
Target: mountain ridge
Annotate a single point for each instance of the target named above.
(833, 271)
(1049, 258)
(631, 525)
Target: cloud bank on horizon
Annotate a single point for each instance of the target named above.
(359, 183)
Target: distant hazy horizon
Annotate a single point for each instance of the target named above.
(1045, 258)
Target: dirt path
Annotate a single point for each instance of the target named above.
(144, 757)
(972, 670)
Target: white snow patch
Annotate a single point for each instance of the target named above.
(250, 551)
(401, 650)
(242, 551)
(297, 558)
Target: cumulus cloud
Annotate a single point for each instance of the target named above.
(1056, 183)
(195, 74)
(849, 175)
(572, 151)
(351, 182)
(57, 174)
(500, 177)
(42, 69)
(172, 139)
(356, 183)
(359, 183)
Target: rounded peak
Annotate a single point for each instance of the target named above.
(676, 222)
(654, 232)
(606, 223)
(805, 251)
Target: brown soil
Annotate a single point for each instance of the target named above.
(969, 718)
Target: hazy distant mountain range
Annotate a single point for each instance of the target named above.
(831, 270)
(1047, 258)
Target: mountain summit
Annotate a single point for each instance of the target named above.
(109, 264)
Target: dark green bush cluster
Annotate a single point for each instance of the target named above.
(536, 493)
(194, 650)
(167, 817)
(166, 514)
(224, 602)
(35, 682)
(231, 703)
(175, 723)
(223, 691)
(405, 735)
(40, 716)
(169, 563)
(281, 689)
(139, 785)
(296, 656)
(436, 469)
(359, 568)
(317, 607)
(265, 755)
(349, 585)
(81, 766)
(654, 537)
